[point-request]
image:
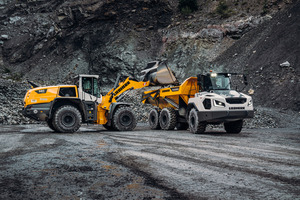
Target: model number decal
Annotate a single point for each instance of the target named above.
(121, 88)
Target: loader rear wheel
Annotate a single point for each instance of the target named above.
(124, 119)
(194, 124)
(154, 119)
(50, 124)
(167, 119)
(234, 127)
(67, 119)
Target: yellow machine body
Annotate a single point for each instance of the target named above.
(170, 97)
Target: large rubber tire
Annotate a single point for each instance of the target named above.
(67, 119)
(182, 126)
(50, 125)
(234, 127)
(154, 119)
(124, 119)
(194, 124)
(110, 128)
(167, 119)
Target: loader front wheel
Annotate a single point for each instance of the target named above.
(194, 124)
(154, 119)
(234, 127)
(167, 119)
(67, 119)
(110, 128)
(124, 119)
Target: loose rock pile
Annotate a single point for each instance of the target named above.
(11, 102)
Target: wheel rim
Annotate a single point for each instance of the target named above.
(152, 119)
(68, 120)
(192, 121)
(125, 120)
(164, 119)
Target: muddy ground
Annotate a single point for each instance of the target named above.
(145, 164)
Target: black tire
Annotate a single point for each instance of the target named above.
(154, 119)
(67, 119)
(167, 119)
(110, 128)
(234, 127)
(124, 119)
(50, 125)
(182, 126)
(194, 124)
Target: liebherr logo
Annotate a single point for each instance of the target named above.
(121, 88)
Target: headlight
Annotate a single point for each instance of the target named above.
(250, 103)
(219, 103)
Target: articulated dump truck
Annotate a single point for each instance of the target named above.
(198, 101)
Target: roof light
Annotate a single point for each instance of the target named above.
(213, 74)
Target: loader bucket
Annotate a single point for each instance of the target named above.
(158, 74)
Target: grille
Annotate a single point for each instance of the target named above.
(236, 108)
(236, 100)
(207, 103)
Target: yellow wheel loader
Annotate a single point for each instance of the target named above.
(65, 107)
(198, 101)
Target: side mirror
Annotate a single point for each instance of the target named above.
(245, 80)
(251, 92)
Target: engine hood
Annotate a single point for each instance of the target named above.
(226, 93)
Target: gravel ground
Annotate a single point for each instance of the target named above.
(145, 164)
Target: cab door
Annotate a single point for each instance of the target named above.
(89, 90)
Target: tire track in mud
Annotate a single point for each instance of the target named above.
(265, 169)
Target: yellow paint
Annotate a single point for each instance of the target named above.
(186, 90)
(32, 97)
(52, 92)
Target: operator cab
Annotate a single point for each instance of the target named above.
(89, 89)
(214, 81)
(219, 81)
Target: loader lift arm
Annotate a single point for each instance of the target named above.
(120, 88)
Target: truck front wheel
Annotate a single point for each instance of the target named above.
(182, 126)
(234, 127)
(124, 119)
(67, 119)
(194, 124)
(154, 119)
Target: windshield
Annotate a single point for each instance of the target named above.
(90, 86)
(220, 82)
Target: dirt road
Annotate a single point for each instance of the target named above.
(93, 163)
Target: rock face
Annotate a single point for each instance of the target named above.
(50, 41)
(270, 54)
(46, 40)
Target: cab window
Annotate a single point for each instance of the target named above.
(67, 92)
(90, 86)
